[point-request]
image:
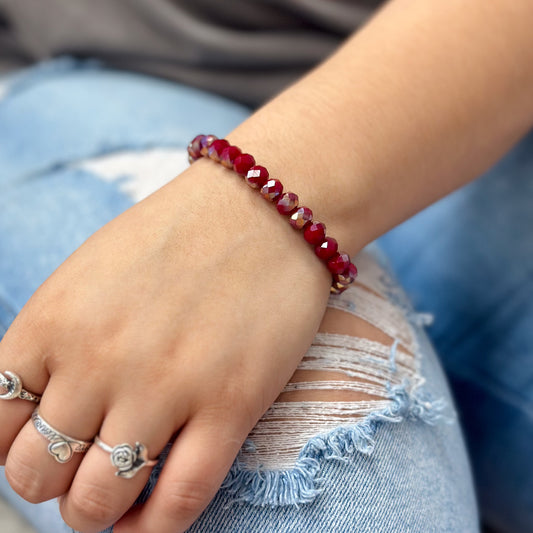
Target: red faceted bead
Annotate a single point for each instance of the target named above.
(257, 176)
(272, 190)
(228, 155)
(315, 232)
(338, 263)
(205, 143)
(194, 148)
(346, 277)
(300, 217)
(243, 163)
(215, 150)
(327, 248)
(287, 203)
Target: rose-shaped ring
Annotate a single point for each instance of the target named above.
(12, 383)
(128, 460)
(61, 447)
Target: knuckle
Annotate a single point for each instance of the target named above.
(89, 504)
(25, 479)
(37, 317)
(185, 500)
(237, 396)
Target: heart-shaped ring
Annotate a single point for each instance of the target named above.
(61, 447)
(61, 450)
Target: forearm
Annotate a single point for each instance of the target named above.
(419, 102)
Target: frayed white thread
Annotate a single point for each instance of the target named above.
(392, 356)
(353, 365)
(301, 484)
(280, 462)
(381, 313)
(423, 319)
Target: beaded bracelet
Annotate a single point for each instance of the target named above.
(343, 271)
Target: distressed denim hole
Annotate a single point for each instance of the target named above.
(365, 347)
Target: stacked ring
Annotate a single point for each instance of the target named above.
(128, 460)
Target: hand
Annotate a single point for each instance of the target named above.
(188, 313)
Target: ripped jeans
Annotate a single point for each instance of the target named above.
(364, 438)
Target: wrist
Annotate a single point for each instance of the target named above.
(230, 215)
(332, 196)
(300, 217)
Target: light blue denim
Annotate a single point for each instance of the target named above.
(379, 476)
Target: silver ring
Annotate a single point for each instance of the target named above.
(128, 460)
(13, 384)
(61, 447)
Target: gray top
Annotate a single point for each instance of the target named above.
(247, 50)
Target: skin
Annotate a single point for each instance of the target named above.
(187, 313)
